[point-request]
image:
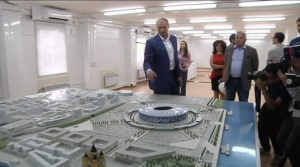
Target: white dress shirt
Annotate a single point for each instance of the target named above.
(170, 50)
(276, 53)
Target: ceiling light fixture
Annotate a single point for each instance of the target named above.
(202, 35)
(257, 31)
(259, 26)
(224, 32)
(105, 21)
(15, 23)
(189, 3)
(263, 19)
(217, 27)
(120, 12)
(154, 22)
(267, 3)
(256, 35)
(192, 32)
(224, 35)
(208, 20)
(211, 37)
(249, 37)
(189, 7)
(180, 28)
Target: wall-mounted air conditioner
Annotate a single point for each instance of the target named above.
(49, 14)
(144, 30)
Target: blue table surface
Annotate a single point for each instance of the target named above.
(2, 164)
(242, 136)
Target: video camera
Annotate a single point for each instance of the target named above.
(292, 52)
(292, 80)
(281, 64)
(260, 74)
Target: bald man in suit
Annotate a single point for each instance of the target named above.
(161, 62)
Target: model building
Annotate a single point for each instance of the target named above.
(94, 159)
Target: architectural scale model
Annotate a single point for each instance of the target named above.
(81, 128)
(95, 159)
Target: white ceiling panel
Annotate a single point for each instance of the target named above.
(154, 10)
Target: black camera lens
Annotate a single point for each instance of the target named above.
(253, 76)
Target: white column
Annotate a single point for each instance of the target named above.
(131, 66)
(290, 33)
(90, 76)
(12, 67)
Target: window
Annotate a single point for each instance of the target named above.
(140, 47)
(51, 48)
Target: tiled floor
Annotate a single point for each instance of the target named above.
(203, 89)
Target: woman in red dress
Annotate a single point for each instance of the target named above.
(217, 62)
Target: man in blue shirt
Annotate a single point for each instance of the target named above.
(296, 40)
(239, 60)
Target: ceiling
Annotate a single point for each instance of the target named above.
(84, 6)
(225, 9)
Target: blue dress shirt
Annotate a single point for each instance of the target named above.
(237, 61)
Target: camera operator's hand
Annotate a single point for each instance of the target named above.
(281, 76)
(262, 85)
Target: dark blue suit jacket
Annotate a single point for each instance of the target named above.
(157, 59)
(295, 41)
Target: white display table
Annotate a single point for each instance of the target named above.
(192, 71)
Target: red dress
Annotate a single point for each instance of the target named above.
(218, 59)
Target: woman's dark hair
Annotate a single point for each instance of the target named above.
(216, 43)
(186, 50)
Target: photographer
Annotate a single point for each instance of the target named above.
(289, 134)
(274, 54)
(272, 111)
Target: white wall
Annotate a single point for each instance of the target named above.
(73, 49)
(90, 51)
(110, 51)
(19, 54)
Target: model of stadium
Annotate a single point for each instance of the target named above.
(59, 129)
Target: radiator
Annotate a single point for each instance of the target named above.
(111, 79)
(53, 81)
(56, 86)
(141, 74)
